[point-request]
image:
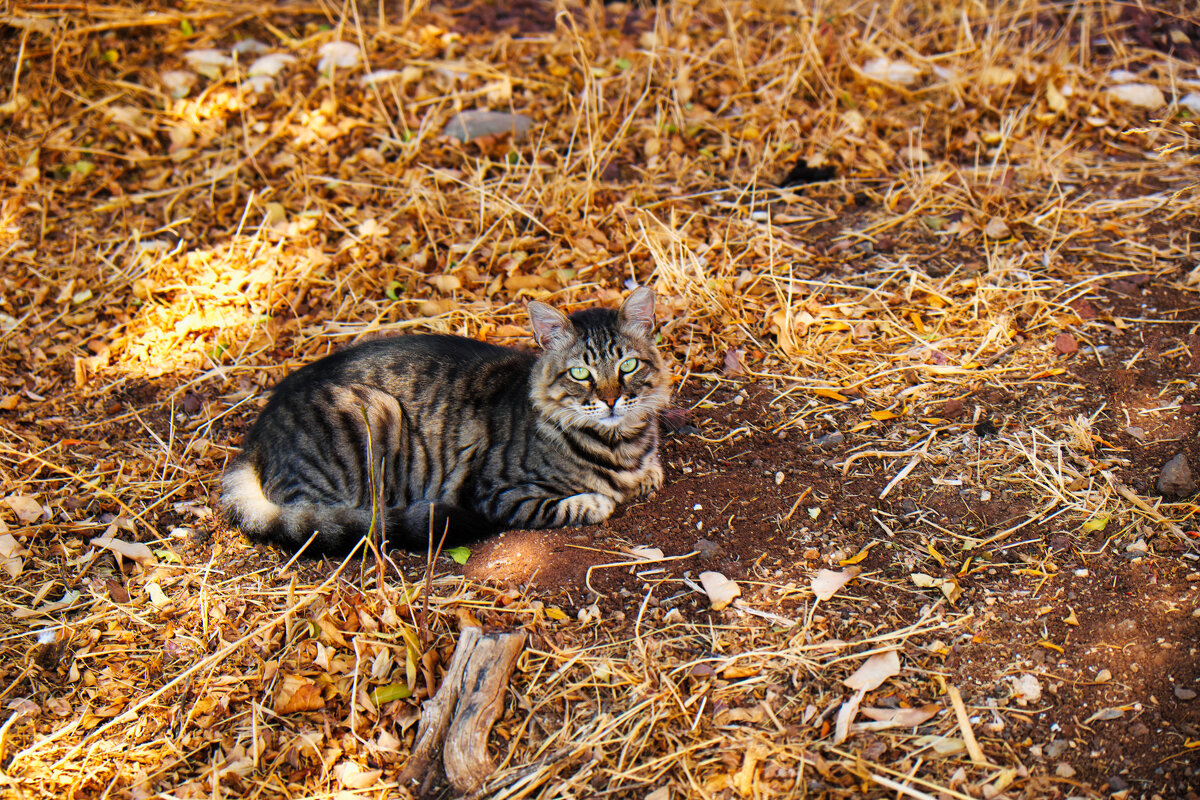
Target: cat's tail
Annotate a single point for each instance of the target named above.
(337, 529)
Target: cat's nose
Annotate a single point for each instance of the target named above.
(609, 397)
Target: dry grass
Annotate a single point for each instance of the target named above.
(206, 244)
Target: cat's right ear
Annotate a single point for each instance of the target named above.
(551, 328)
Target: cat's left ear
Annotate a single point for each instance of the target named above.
(637, 312)
(551, 328)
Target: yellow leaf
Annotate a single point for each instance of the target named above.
(916, 319)
(833, 326)
(831, 394)
(936, 555)
(859, 556)
(1071, 619)
(862, 426)
(1051, 646)
(556, 614)
(1096, 523)
(1055, 99)
(883, 414)
(1048, 373)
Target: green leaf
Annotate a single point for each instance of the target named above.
(186, 27)
(624, 63)
(390, 291)
(382, 695)
(84, 167)
(111, 56)
(459, 554)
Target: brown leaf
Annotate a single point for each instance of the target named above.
(132, 550)
(297, 694)
(1065, 343)
(25, 507)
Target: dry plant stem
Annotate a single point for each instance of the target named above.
(964, 725)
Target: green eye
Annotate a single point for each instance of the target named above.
(580, 373)
(629, 365)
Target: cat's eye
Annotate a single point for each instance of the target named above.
(580, 373)
(629, 365)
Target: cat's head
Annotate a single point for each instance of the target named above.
(600, 369)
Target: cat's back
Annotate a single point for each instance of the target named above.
(410, 363)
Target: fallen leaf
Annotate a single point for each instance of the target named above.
(459, 554)
(887, 70)
(270, 65)
(295, 694)
(733, 364)
(1105, 714)
(444, 283)
(845, 716)
(352, 776)
(997, 228)
(826, 583)
(25, 507)
(132, 550)
(1065, 344)
(720, 590)
(1142, 95)
(885, 718)
(647, 553)
(874, 671)
(10, 547)
(157, 596)
(342, 55)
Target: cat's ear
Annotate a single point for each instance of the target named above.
(551, 328)
(637, 312)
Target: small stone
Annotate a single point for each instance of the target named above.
(1139, 547)
(1059, 542)
(1176, 479)
(467, 125)
(1054, 748)
(812, 554)
(908, 506)
(1139, 729)
(708, 550)
(829, 440)
(1103, 676)
(1184, 694)
(1064, 770)
(778, 478)
(996, 228)
(1136, 432)
(1115, 784)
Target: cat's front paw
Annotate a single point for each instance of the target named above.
(650, 483)
(588, 509)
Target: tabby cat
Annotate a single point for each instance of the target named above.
(462, 434)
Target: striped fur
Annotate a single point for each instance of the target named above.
(463, 434)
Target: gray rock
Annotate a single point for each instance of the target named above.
(708, 551)
(908, 507)
(467, 125)
(1176, 479)
(1184, 693)
(829, 440)
(1054, 748)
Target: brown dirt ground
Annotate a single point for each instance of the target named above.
(1054, 601)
